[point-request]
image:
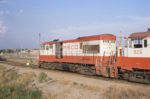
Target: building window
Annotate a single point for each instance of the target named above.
(145, 43)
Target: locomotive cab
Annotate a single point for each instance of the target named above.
(135, 62)
(138, 45)
(47, 49)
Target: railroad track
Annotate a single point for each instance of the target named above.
(19, 64)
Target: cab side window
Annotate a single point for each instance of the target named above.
(130, 43)
(137, 43)
(145, 43)
(42, 47)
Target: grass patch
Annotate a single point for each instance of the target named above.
(42, 77)
(19, 92)
(7, 76)
(26, 78)
(114, 92)
(15, 86)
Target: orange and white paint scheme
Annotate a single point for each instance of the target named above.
(102, 53)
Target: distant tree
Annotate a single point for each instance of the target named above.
(10, 51)
(2, 51)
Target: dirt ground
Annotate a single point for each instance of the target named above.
(65, 85)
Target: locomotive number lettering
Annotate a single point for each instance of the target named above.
(137, 51)
(71, 47)
(74, 46)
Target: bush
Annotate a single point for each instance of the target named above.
(19, 92)
(42, 77)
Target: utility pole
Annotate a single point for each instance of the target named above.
(120, 44)
(39, 42)
(39, 45)
(120, 39)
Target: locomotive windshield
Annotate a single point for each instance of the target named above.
(137, 43)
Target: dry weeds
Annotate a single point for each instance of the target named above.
(115, 92)
(15, 86)
(26, 78)
(76, 87)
